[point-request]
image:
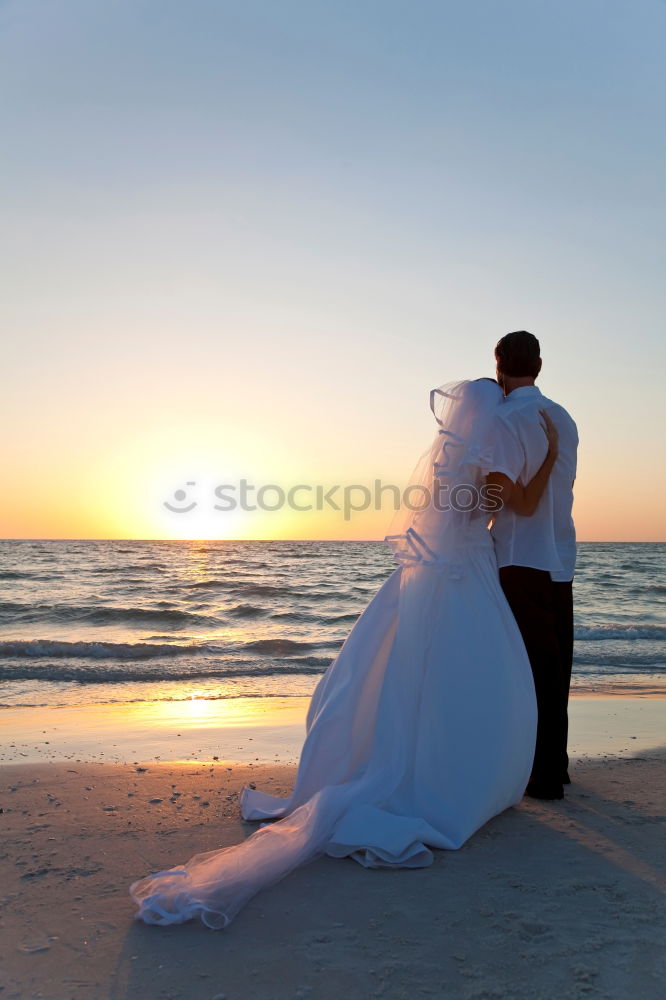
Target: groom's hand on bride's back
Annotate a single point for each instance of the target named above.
(552, 436)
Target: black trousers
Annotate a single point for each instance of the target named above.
(543, 610)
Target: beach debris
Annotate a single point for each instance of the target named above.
(155, 802)
(140, 770)
(71, 873)
(38, 873)
(38, 944)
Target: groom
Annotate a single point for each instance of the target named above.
(536, 555)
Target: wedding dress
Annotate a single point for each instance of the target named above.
(422, 728)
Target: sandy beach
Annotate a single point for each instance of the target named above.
(547, 900)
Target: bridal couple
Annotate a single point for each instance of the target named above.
(448, 700)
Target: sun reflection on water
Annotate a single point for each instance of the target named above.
(197, 712)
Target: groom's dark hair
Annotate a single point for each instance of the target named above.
(518, 354)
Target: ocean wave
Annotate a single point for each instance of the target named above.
(307, 618)
(608, 661)
(311, 661)
(286, 591)
(302, 555)
(154, 567)
(322, 595)
(93, 673)
(341, 619)
(136, 651)
(302, 617)
(246, 611)
(226, 660)
(284, 647)
(101, 615)
(44, 648)
(234, 560)
(260, 589)
(584, 633)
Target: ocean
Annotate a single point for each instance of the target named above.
(98, 622)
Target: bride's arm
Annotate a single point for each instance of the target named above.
(525, 499)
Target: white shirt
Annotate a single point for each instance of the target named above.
(547, 539)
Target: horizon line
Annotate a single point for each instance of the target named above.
(580, 541)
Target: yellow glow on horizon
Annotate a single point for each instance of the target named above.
(118, 489)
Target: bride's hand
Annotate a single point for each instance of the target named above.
(550, 430)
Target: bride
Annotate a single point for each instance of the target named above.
(423, 727)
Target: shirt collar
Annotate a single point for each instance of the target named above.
(523, 391)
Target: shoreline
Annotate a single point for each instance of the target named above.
(266, 730)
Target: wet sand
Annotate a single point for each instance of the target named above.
(266, 730)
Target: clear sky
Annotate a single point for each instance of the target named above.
(244, 239)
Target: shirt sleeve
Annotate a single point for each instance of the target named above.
(508, 453)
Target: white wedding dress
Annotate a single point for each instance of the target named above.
(423, 727)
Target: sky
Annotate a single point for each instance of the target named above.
(243, 240)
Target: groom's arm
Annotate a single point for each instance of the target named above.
(523, 500)
(508, 461)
